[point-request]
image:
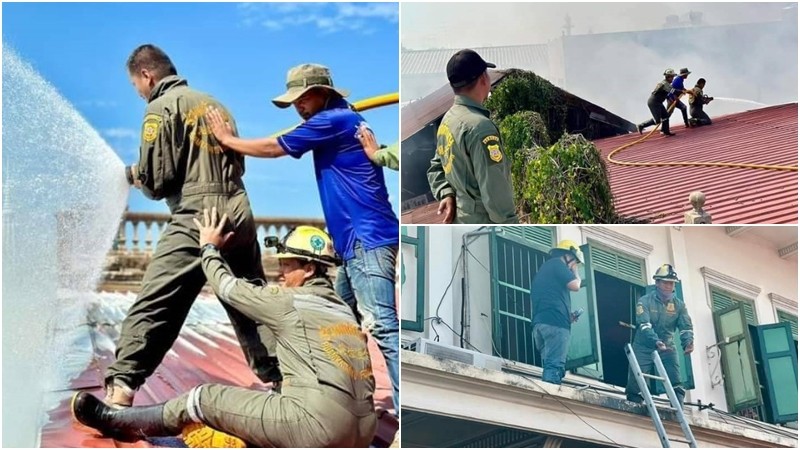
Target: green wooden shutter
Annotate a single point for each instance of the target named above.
(738, 366)
(617, 265)
(777, 370)
(514, 264)
(584, 347)
(540, 238)
(791, 320)
(722, 299)
(418, 254)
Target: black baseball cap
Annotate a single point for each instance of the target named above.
(465, 66)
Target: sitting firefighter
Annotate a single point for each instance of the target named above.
(327, 394)
(658, 314)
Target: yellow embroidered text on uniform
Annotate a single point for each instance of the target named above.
(444, 148)
(201, 135)
(495, 154)
(346, 346)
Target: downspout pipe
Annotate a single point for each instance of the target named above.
(466, 240)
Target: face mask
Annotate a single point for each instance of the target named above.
(664, 296)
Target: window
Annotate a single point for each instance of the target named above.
(412, 278)
(791, 319)
(738, 364)
(775, 350)
(517, 253)
(721, 299)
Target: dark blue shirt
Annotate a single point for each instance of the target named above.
(352, 189)
(677, 85)
(550, 295)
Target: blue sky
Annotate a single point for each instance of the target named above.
(239, 53)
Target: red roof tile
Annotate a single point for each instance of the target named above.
(205, 352)
(733, 196)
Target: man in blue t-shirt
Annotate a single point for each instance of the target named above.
(677, 89)
(354, 198)
(552, 318)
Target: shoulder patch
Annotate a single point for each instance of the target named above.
(492, 144)
(274, 290)
(639, 309)
(152, 122)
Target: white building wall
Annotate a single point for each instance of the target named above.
(688, 249)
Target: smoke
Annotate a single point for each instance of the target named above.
(745, 51)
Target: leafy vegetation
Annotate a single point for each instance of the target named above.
(562, 182)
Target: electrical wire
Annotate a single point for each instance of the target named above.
(596, 389)
(359, 106)
(532, 380)
(452, 277)
(619, 149)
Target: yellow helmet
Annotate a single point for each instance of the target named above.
(667, 273)
(305, 242)
(568, 246)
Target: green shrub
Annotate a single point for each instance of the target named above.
(566, 182)
(520, 90)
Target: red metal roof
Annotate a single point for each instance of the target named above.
(733, 196)
(203, 353)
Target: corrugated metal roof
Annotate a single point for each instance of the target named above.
(528, 57)
(206, 351)
(733, 196)
(417, 114)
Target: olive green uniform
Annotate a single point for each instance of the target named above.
(656, 321)
(328, 387)
(471, 165)
(656, 105)
(181, 162)
(696, 101)
(387, 157)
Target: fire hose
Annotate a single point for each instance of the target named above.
(360, 106)
(611, 159)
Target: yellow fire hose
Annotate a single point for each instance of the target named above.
(361, 105)
(611, 159)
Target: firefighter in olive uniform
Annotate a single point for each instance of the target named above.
(658, 315)
(656, 104)
(697, 100)
(181, 162)
(470, 163)
(327, 394)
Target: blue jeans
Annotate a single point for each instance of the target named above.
(367, 280)
(552, 343)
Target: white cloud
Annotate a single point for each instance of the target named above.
(120, 133)
(326, 17)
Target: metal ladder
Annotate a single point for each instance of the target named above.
(648, 399)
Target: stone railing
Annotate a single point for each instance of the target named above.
(138, 236)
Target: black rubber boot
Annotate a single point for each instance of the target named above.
(680, 394)
(127, 425)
